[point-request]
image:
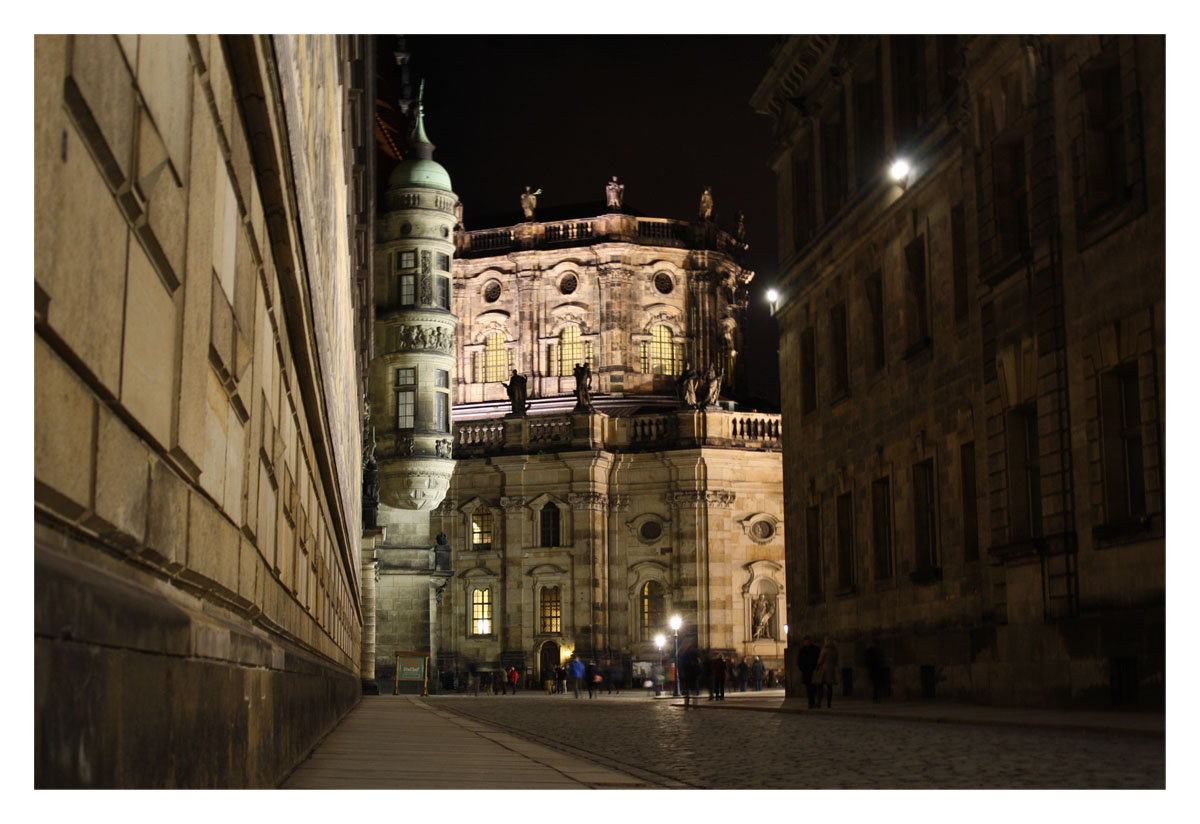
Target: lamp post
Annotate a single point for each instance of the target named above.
(676, 623)
(659, 642)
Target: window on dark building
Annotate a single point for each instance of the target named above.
(550, 525)
(1121, 430)
(551, 610)
(868, 118)
(481, 612)
(840, 346)
(812, 549)
(804, 215)
(443, 292)
(808, 371)
(652, 608)
(881, 526)
(958, 253)
(845, 539)
(834, 173)
(1103, 132)
(918, 284)
(924, 518)
(875, 304)
(1010, 201)
(443, 262)
(970, 501)
(908, 84)
(1024, 474)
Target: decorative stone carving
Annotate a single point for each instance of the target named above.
(720, 498)
(615, 193)
(761, 527)
(426, 277)
(411, 336)
(595, 501)
(529, 202)
(414, 483)
(619, 503)
(445, 448)
(512, 503)
(706, 204)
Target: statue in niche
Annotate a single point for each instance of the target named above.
(763, 609)
(517, 392)
(583, 386)
(740, 231)
(706, 204)
(529, 202)
(458, 214)
(615, 192)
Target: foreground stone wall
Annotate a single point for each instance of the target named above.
(196, 451)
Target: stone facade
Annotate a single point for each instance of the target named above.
(197, 405)
(972, 359)
(583, 525)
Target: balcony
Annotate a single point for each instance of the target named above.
(669, 429)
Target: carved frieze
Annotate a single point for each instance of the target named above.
(512, 503)
(595, 501)
(410, 337)
(720, 498)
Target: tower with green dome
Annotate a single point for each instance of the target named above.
(410, 379)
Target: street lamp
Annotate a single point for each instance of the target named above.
(899, 172)
(676, 623)
(659, 642)
(773, 298)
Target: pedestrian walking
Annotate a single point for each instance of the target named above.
(743, 674)
(513, 678)
(827, 669)
(688, 667)
(560, 679)
(718, 676)
(593, 679)
(706, 675)
(758, 670)
(806, 660)
(577, 672)
(615, 677)
(875, 669)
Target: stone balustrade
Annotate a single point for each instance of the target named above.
(607, 228)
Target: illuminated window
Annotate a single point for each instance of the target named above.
(661, 356)
(481, 530)
(495, 358)
(570, 350)
(653, 608)
(551, 609)
(481, 612)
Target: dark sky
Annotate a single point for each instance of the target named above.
(668, 115)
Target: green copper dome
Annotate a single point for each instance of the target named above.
(428, 174)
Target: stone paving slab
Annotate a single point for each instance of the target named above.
(402, 742)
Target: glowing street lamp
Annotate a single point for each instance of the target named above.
(900, 171)
(773, 298)
(676, 623)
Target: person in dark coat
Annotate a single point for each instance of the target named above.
(759, 670)
(706, 674)
(743, 674)
(718, 676)
(689, 669)
(593, 678)
(806, 660)
(875, 669)
(615, 677)
(827, 669)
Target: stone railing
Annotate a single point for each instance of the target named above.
(670, 429)
(609, 228)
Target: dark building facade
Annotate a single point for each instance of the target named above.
(972, 359)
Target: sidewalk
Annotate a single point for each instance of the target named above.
(403, 742)
(1131, 722)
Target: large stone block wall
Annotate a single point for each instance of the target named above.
(196, 449)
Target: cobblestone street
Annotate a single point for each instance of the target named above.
(743, 749)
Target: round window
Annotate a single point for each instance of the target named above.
(491, 292)
(445, 231)
(651, 531)
(406, 229)
(762, 530)
(568, 284)
(663, 283)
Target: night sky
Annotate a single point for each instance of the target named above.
(668, 115)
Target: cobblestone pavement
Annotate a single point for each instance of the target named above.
(738, 749)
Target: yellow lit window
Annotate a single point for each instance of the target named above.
(481, 612)
(653, 608)
(551, 609)
(661, 357)
(481, 530)
(495, 359)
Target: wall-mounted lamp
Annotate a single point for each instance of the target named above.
(773, 299)
(900, 171)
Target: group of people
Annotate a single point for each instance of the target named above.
(698, 670)
(587, 675)
(818, 670)
(492, 682)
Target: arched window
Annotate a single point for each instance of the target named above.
(551, 609)
(495, 358)
(481, 612)
(661, 356)
(550, 525)
(653, 609)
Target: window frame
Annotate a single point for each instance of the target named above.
(482, 622)
(483, 525)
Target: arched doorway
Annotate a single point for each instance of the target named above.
(547, 661)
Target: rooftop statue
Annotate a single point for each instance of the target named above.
(529, 202)
(516, 387)
(616, 193)
(706, 204)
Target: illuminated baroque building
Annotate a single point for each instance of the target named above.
(584, 522)
(972, 359)
(201, 286)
